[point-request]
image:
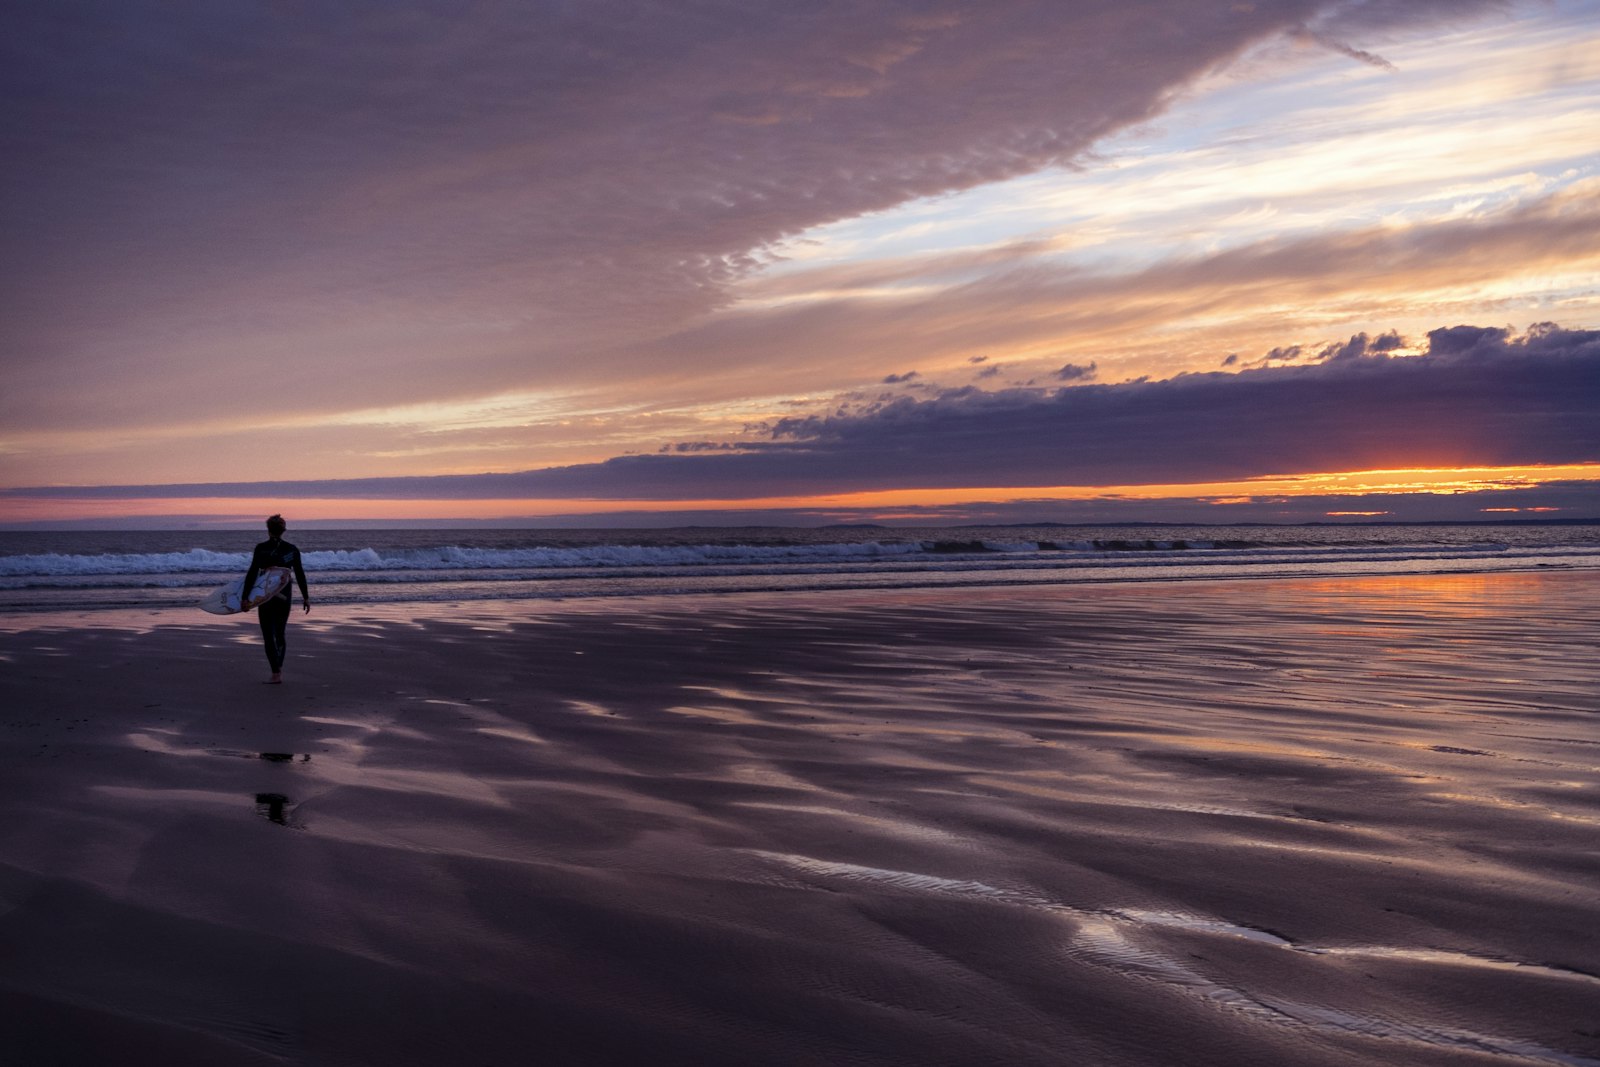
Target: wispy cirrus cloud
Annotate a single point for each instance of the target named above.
(1040, 306)
(402, 244)
(382, 202)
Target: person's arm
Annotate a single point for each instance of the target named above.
(250, 576)
(300, 576)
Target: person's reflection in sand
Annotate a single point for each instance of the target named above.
(272, 806)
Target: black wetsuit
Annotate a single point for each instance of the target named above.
(274, 614)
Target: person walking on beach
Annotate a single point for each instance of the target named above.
(274, 613)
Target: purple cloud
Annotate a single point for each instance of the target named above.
(1360, 345)
(1479, 397)
(387, 202)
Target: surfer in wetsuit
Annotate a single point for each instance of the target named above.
(274, 613)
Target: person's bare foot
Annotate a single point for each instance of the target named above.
(276, 679)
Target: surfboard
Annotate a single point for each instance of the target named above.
(229, 599)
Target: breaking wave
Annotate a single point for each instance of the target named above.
(39, 571)
(464, 558)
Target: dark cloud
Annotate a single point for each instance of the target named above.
(1360, 345)
(685, 447)
(1326, 41)
(1078, 372)
(1479, 397)
(897, 379)
(386, 202)
(1458, 341)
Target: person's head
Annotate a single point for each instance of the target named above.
(276, 526)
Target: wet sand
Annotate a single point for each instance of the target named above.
(1295, 822)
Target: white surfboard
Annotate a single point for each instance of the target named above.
(228, 599)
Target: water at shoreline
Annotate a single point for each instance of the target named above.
(108, 570)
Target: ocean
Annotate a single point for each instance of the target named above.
(76, 571)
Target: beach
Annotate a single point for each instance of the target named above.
(1307, 821)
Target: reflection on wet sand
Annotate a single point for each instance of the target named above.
(1315, 823)
(272, 806)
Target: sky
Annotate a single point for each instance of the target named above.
(900, 261)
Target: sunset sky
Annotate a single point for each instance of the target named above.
(645, 263)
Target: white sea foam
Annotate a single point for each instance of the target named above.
(194, 560)
(456, 557)
(40, 572)
(464, 558)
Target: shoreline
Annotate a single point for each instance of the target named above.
(1312, 820)
(14, 618)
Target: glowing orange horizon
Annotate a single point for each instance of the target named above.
(1402, 481)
